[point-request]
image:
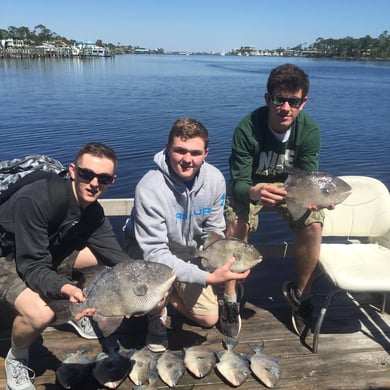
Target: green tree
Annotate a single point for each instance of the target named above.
(43, 34)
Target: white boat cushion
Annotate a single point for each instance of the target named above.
(365, 213)
(357, 267)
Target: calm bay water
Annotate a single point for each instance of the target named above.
(130, 102)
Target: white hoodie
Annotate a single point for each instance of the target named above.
(168, 219)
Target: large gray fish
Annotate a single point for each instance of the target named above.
(143, 360)
(75, 369)
(170, 367)
(220, 251)
(265, 367)
(128, 288)
(113, 366)
(199, 360)
(319, 189)
(232, 366)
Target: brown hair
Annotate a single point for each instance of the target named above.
(188, 128)
(99, 150)
(288, 77)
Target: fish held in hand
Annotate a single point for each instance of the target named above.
(129, 288)
(266, 368)
(318, 189)
(220, 251)
(199, 360)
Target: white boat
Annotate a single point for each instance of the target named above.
(89, 49)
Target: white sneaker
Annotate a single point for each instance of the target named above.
(19, 376)
(157, 336)
(86, 327)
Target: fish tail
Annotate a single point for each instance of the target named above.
(257, 347)
(229, 342)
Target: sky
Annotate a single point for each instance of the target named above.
(201, 25)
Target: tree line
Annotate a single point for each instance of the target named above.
(348, 47)
(39, 35)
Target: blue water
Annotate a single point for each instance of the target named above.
(130, 102)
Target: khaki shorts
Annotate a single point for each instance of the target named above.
(11, 284)
(250, 213)
(197, 299)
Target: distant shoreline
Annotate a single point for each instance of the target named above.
(33, 53)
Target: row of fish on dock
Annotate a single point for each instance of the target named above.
(143, 367)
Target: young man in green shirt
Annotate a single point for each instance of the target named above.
(268, 144)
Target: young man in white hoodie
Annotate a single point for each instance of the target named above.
(177, 207)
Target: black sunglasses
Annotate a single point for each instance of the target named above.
(280, 100)
(87, 175)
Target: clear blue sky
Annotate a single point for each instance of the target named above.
(201, 25)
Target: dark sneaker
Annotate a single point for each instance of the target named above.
(86, 327)
(301, 311)
(19, 376)
(230, 320)
(157, 336)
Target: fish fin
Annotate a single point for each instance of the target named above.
(245, 356)
(107, 325)
(276, 358)
(295, 210)
(101, 356)
(211, 238)
(140, 289)
(127, 353)
(87, 277)
(237, 256)
(83, 348)
(257, 347)
(206, 265)
(62, 310)
(295, 173)
(219, 354)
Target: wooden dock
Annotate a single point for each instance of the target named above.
(353, 349)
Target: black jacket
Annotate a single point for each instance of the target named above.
(40, 240)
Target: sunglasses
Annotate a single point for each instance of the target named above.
(87, 175)
(280, 100)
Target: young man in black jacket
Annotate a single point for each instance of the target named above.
(43, 237)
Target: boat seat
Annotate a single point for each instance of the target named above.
(349, 257)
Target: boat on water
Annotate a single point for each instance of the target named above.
(89, 49)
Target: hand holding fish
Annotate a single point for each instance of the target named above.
(267, 194)
(224, 273)
(76, 295)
